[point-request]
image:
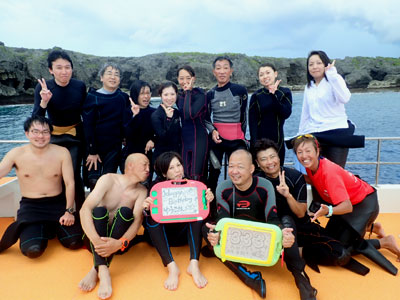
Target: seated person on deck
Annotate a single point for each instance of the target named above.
(45, 209)
(111, 216)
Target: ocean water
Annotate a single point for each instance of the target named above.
(374, 113)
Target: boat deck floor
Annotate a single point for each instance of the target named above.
(139, 274)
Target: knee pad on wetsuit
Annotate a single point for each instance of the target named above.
(125, 212)
(99, 212)
(33, 251)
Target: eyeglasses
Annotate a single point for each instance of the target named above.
(37, 132)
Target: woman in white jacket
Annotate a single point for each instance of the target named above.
(324, 113)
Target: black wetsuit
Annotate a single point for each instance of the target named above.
(162, 236)
(267, 115)
(64, 109)
(258, 204)
(37, 222)
(104, 117)
(192, 106)
(167, 132)
(227, 104)
(138, 131)
(123, 219)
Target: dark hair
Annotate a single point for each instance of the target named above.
(219, 58)
(162, 163)
(56, 54)
(165, 85)
(325, 59)
(187, 68)
(37, 119)
(297, 141)
(271, 65)
(263, 144)
(113, 66)
(136, 88)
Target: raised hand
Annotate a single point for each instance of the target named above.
(273, 87)
(189, 85)
(330, 65)
(45, 93)
(134, 107)
(282, 188)
(169, 110)
(92, 160)
(149, 146)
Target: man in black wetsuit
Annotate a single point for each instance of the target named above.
(62, 98)
(105, 113)
(227, 103)
(259, 198)
(45, 209)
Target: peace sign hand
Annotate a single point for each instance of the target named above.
(189, 86)
(330, 65)
(272, 88)
(169, 111)
(45, 94)
(282, 188)
(134, 107)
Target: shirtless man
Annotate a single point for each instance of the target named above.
(115, 203)
(45, 211)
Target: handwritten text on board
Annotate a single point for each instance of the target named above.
(179, 201)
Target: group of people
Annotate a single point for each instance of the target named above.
(108, 129)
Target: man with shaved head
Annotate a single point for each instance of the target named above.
(252, 198)
(111, 216)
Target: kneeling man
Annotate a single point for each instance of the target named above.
(111, 216)
(45, 210)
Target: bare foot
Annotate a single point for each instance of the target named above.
(378, 230)
(89, 281)
(193, 269)
(171, 283)
(105, 289)
(389, 242)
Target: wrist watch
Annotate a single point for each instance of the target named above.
(125, 243)
(71, 210)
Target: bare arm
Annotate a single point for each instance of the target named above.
(8, 162)
(340, 209)
(67, 173)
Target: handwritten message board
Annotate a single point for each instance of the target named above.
(248, 242)
(179, 201)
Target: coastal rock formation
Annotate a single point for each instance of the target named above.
(20, 68)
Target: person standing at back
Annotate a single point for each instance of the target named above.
(227, 103)
(62, 98)
(105, 112)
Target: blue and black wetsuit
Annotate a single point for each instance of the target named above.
(167, 132)
(138, 131)
(192, 106)
(228, 105)
(64, 111)
(258, 204)
(267, 115)
(104, 118)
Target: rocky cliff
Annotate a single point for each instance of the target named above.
(20, 68)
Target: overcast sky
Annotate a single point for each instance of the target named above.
(283, 28)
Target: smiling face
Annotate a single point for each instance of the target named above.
(175, 170)
(61, 69)
(168, 96)
(185, 80)
(267, 76)
(308, 155)
(144, 97)
(110, 79)
(38, 135)
(316, 68)
(269, 162)
(240, 169)
(222, 72)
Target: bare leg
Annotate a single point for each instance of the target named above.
(105, 289)
(89, 281)
(378, 230)
(389, 243)
(171, 283)
(193, 269)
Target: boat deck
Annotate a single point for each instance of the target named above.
(139, 274)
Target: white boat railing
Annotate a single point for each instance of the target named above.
(378, 163)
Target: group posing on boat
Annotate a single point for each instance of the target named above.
(186, 137)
